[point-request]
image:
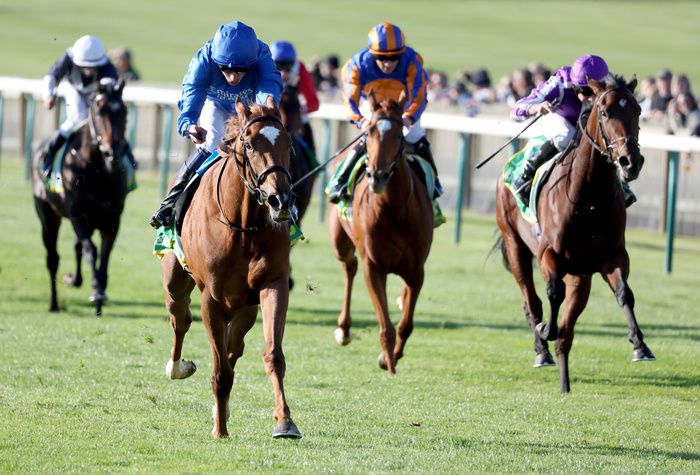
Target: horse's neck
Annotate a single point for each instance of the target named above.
(591, 173)
(400, 186)
(237, 203)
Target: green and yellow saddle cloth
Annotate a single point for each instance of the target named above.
(344, 207)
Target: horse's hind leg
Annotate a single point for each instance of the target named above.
(178, 285)
(556, 291)
(50, 224)
(411, 290)
(345, 252)
(274, 301)
(578, 288)
(520, 262)
(76, 280)
(617, 280)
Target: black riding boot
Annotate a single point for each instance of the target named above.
(422, 148)
(164, 214)
(522, 184)
(54, 145)
(340, 187)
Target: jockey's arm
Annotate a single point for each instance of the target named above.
(351, 92)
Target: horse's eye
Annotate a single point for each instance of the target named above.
(604, 114)
(248, 146)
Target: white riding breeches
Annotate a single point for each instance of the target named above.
(555, 128)
(213, 119)
(76, 111)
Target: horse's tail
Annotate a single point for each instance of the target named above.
(500, 243)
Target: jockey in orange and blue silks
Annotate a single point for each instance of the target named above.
(233, 65)
(388, 67)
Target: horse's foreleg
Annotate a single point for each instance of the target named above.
(556, 291)
(178, 286)
(99, 289)
(222, 373)
(617, 280)
(410, 293)
(50, 224)
(376, 284)
(520, 262)
(76, 280)
(344, 252)
(274, 301)
(578, 288)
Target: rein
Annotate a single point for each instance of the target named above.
(251, 180)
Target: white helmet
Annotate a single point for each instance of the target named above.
(88, 52)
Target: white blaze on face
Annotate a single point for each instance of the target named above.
(623, 102)
(383, 125)
(270, 133)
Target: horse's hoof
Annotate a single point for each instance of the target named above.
(643, 354)
(218, 435)
(286, 430)
(544, 359)
(340, 337)
(180, 369)
(98, 297)
(72, 280)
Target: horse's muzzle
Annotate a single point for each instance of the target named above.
(630, 166)
(377, 180)
(280, 205)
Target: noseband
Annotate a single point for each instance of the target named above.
(252, 180)
(609, 144)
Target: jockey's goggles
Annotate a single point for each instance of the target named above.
(387, 58)
(584, 90)
(284, 65)
(232, 69)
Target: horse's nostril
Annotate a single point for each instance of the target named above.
(624, 161)
(273, 201)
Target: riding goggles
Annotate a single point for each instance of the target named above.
(232, 69)
(584, 90)
(387, 58)
(284, 65)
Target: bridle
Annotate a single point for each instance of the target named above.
(95, 136)
(399, 154)
(252, 180)
(610, 146)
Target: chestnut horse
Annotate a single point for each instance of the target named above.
(582, 217)
(236, 244)
(392, 227)
(94, 190)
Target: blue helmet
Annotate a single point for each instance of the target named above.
(283, 52)
(235, 46)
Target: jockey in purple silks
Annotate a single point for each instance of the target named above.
(235, 64)
(562, 98)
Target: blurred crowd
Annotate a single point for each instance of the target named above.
(666, 99)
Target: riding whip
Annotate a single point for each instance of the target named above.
(508, 142)
(323, 165)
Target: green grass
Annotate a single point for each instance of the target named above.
(635, 36)
(89, 395)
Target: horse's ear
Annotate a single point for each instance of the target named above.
(270, 103)
(372, 99)
(402, 99)
(597, 87)
(241, 109)
(633, 83)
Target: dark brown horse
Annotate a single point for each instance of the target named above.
(94, 190)
(582, 216)
(291, 114)
(392, 227)
(236, 243)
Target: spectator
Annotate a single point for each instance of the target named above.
(521, 85)
(121, 57)
(437, 87)
(659, 103)
(327, 75)
(482, 91)
(539, 73)
(647, 91)
(685, 114)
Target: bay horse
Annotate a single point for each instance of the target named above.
(236, 244)
(392, 228)
(291, 115)
(94, 191)
(582, 217)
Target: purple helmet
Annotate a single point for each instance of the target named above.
(588, 67)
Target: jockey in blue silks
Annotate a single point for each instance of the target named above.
(234, 64)
(564, 95)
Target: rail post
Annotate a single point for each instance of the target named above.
(165, 142)
(462, 186)
(672, 173)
